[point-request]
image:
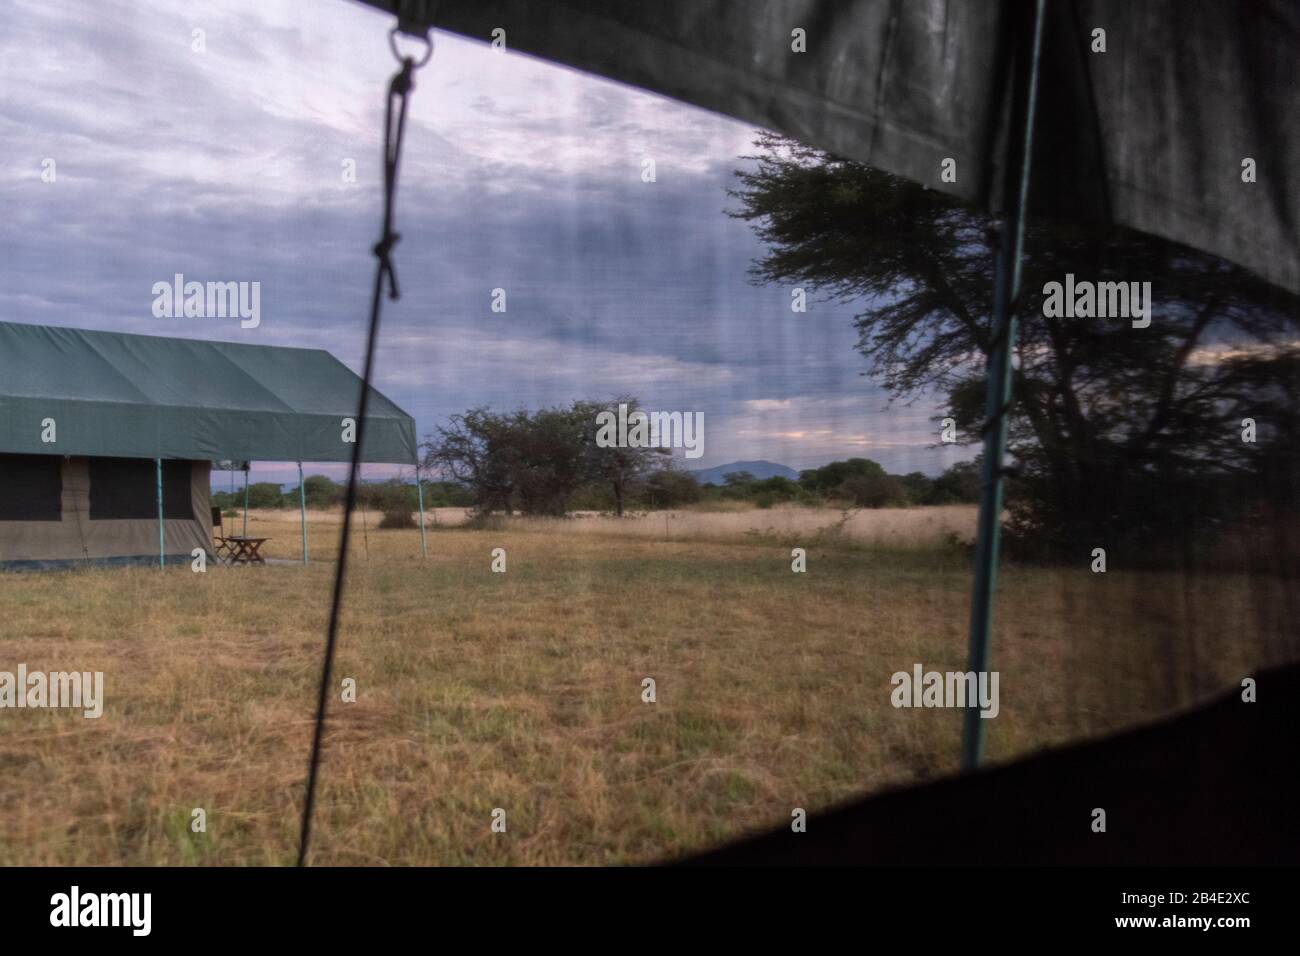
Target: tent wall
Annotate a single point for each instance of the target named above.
(75, 537)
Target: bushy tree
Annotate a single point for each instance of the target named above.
(669, 488)
(263, 494)
(917, 487)
(620, 469)
(874, 491)
(535, 462)
(398, 500)
(829, 479)
(959, 484)
(447, 494)
(479, 450)
(774, 490)
(320, 491)
(549, 455)
(738, 484)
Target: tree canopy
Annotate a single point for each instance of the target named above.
(1117, 433)
(536, 462)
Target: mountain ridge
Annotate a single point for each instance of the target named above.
(759, 469)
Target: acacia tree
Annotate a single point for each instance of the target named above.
(537, 460)
(619, 468)
(1116, 432)
(478, 450)
(546, 459)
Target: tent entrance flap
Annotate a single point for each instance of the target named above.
(1151, 133)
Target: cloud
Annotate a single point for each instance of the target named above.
(228, 165)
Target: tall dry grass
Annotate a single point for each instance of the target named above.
(894, 528)
(523, 690)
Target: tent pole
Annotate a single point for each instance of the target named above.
(162, 549)
(419, 492)
(1006, 291)
(302, 508)
(245, 499)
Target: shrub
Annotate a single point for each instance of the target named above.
(398, 518)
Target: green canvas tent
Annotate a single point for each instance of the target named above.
(91, 421)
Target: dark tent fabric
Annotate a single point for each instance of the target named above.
(1151, 134)
(1205, 787)
(31, 488)
(141, 396)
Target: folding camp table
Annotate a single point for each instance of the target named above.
(245, 549)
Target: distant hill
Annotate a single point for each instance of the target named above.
(759, 469)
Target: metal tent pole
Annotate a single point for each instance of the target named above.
(1006, 291)
(302, 508)
(162, 549)
(245, 499)
(419, 492)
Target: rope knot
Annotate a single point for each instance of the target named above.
(385, 245)
(404, 79)
(383, 249)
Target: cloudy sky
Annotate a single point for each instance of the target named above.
(227, 164)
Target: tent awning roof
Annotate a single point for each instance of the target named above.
(145, 396)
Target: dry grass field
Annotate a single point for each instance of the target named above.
(907, 529)
(522, 690)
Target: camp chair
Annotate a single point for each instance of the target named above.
(221, 547)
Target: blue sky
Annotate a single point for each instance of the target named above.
(227, 165)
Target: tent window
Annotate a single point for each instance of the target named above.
(31, 488)
(125, 488)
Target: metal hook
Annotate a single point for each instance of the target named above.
(428, 44)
